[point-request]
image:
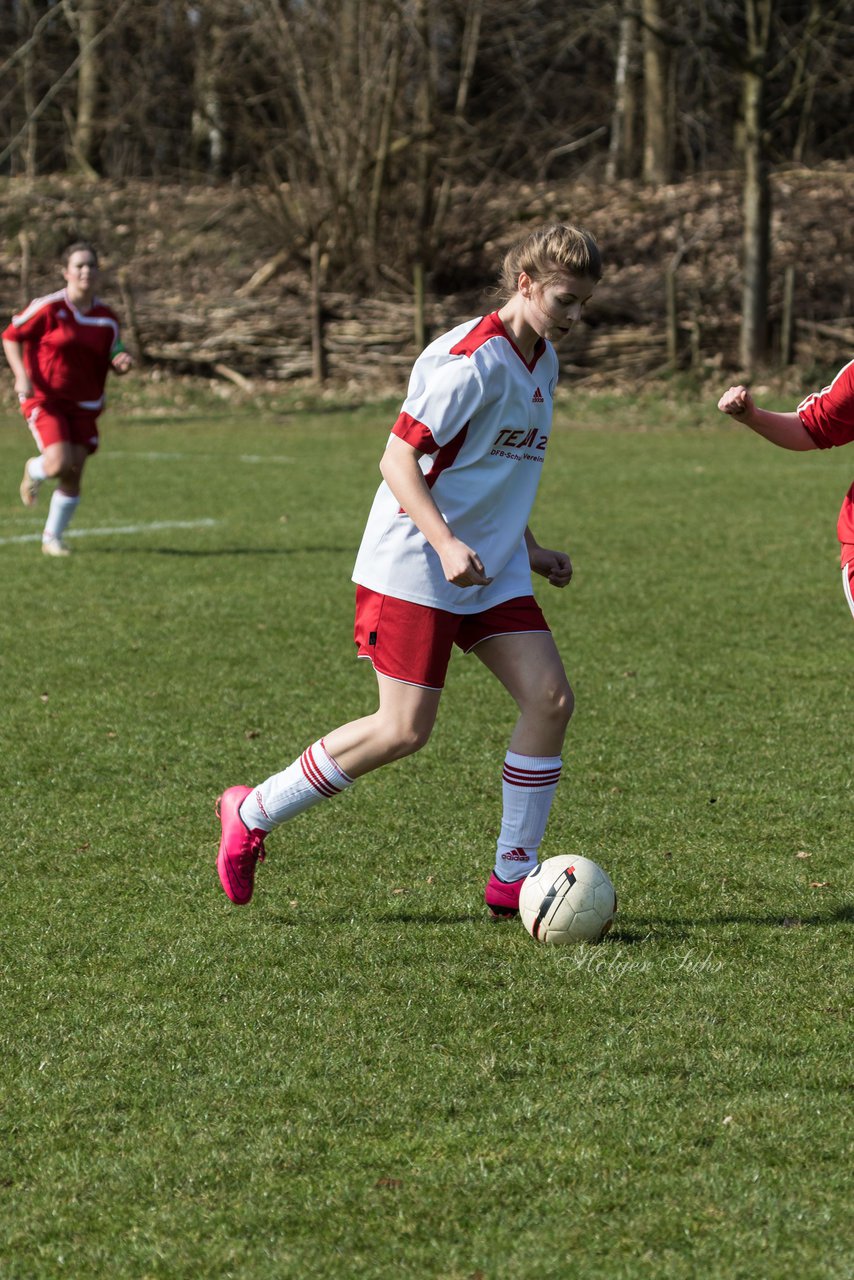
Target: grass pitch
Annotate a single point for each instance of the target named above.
(358, 1075)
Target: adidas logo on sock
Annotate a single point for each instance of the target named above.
(537, 397)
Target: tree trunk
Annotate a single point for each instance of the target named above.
(620, 149)
(787, 328)
(207, 121)
(84, 140)
(423, 168)
(318, 349)
(656, 145)
(26, 259)
(806, 78)
(757, 190)
(381, 159)
(26, 22)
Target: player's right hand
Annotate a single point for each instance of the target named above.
(464, 567)
(737, 402)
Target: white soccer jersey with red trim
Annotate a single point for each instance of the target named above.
(66, 352)
(828, 416)
(481, 415)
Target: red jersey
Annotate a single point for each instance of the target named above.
(67, 352)
(828, 416)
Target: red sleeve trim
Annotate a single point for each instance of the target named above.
(446, 457)
(414, 433)
(828, 415)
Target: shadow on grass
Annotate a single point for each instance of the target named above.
(650, 929)
(279, 917)
(219, 551)
(433, 917)
(674, 927)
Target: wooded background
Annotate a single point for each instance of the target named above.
(385, 151)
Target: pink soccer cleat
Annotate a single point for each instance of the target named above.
(239, 849)
(502, 897)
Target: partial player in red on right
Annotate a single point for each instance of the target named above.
(822, 420)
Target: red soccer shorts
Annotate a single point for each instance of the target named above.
(848, 573)
(58, 422)
(413, 642)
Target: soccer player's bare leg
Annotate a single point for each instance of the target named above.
(401, 725)
(530, 668)
(64, 462)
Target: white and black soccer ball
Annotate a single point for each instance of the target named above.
(567, 899)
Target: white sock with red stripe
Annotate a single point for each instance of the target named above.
(313, 777)
(528, 788)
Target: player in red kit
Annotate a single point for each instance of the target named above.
(60, 349)
(822, 420)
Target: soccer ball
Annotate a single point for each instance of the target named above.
(567, 899)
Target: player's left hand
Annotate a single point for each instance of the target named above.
(555, 566)
(122, 362)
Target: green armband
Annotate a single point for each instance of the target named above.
(119, 346)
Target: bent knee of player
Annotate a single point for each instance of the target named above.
(555, 702)
(60, 464)
(402, 738)
(54, 464)
(409, 739)
(563, 702)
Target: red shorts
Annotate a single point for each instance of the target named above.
(413, 642)
(58, 422)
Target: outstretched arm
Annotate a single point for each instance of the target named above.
(783, 429)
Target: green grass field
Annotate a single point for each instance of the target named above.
(359, 1075)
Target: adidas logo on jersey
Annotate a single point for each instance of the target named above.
(537, 397)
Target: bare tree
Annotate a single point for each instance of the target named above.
(657, 145)
(210, 26)
(61, 78)
(811, 65)
(87, 23)
(28, 35)
(320, 117)
(757, 188)
(623, 116)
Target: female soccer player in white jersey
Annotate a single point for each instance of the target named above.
(446, 559)
(60, 349)
(823, 420)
